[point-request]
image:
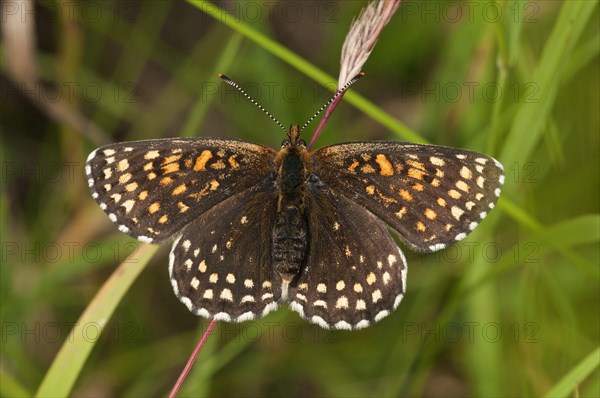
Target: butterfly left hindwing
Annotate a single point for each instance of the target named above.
(152, 189)
(220, 267)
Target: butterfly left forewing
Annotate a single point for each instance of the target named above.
(431, 195)
(152, 189)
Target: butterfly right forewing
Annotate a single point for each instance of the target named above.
(431, 195)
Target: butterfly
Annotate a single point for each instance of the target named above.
(253, 228)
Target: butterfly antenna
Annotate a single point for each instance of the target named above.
(335, 96)
(252, 100)
(330, 105)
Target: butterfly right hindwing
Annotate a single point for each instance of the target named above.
(355, 273)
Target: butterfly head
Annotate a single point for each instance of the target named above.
(293, 140)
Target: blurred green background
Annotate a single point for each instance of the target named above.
(511, 311)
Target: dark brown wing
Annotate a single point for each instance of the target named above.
(431, 195)
(220, 268)
(152, 189)
(354, 273)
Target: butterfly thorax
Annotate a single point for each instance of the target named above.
(289, 237)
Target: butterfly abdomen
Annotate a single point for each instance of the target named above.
(290, 231)
(289, 242)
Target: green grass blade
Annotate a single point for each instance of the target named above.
(531, 117)
(10, 386)
(308, 69)
(69, 361)
(199, 109)
(571, 380)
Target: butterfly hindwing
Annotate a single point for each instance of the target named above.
(431, 195)
(354, 274)
(152, 189)
(220, 267)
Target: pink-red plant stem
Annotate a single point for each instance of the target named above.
(192, 359)
(324, 121)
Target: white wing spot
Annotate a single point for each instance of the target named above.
(371, 278)
(480, 181)
(381, 315)
(376, 295)
(213, 278)
(386, 278)
(343, 325)
(188, 264)
(319, 321)
(320, 303)
(391, 260)
(248, 299)
(436, 161)
(342, 302)
(361, 305)
(128, 205)
(436, 247)
(195, 283)
(248, 283)
(457, 212)
(226, 295)
(267, 296)
(340, 285)
(202, 266)
(151, 155)
(186, 245)
(230, 278)
(460, 236)
(123, 165)
(300, 296)
(321, 288)
(116, 197)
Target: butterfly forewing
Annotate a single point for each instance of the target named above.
(355, 274)
(152, 189)
(431, 195)
(220, 267)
